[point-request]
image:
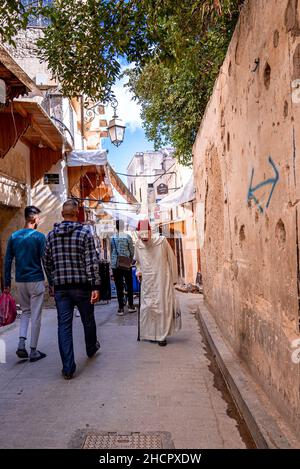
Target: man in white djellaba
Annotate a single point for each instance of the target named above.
(156, 267)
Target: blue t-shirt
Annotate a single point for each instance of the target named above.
(27, 247)
(121, 245)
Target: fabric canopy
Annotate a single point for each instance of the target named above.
(87, 158)
(131, 218)
(186, 194)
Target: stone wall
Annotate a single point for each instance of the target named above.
(27, 56)
(246, 165)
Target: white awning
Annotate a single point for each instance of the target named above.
(87, 158)
(187, 193)
(131, 218)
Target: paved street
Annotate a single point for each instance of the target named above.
(127, 387)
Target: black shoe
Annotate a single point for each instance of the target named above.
(22, 353)
(67, 376)
(162, 343)
(97, 346)
(39, 357)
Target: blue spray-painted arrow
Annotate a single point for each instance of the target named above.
(271, 181)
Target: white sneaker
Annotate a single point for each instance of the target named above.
(131, 309)
(120, 312)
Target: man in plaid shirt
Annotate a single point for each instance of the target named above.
(72, 268)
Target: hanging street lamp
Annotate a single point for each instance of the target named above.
(116, 127)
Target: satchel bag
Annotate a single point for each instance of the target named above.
(123, 262)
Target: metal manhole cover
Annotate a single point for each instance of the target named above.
(151, 440)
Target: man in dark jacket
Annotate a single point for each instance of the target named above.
(72, 267)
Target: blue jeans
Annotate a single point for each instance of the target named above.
(66, 300)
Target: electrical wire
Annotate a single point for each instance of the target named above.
(105, 201)
(166, 172)
(137, 175)
(147, 175)
(122, 210)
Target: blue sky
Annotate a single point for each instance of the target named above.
(135, 139)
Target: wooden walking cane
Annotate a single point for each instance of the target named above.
(139, 313)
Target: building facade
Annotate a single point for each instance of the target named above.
(29, 141)
(79, 120)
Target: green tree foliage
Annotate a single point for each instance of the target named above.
(85, 41)
(177, 49)
(176, 82)
(13, 17)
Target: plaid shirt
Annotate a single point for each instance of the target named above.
(70, 259)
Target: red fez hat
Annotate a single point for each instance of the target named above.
(143, 225)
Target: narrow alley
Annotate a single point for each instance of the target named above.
(149, 216)
(128, 386)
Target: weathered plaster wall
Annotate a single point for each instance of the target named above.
(16, 163)
(14, 192)
(50, 198)
(246, 162)
(190, 244)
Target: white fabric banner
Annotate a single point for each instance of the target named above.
(129, 217)
(87, 158)
(186, 194)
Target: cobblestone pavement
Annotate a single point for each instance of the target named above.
(128, 386)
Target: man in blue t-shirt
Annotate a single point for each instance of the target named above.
(122, 245)
(26, 246)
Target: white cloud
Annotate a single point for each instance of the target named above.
(128, 109)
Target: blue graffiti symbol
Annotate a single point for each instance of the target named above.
(271, 181)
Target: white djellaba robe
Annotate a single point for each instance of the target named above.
(159, 316)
